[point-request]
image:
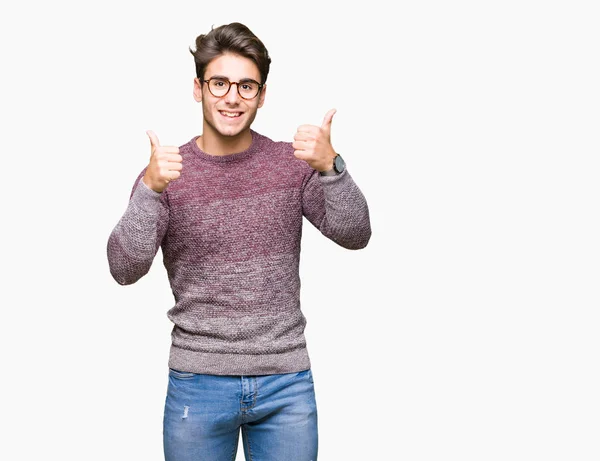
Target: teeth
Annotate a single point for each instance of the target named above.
(231, 114)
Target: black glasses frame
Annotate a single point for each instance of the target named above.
(237, 85)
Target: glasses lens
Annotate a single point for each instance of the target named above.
(248, 89)
(218, 86)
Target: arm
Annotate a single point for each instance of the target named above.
(337, 207)
(134, 242)
(333, 204)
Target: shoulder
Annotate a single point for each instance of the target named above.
(188, 147)
(282, 152)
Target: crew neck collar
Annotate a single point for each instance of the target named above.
(229, 157)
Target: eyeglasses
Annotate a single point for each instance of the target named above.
(247, 88)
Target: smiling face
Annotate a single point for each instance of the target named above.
(229, 116)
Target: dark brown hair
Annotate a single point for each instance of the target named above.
(230, 38)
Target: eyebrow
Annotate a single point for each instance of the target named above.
(242, 80)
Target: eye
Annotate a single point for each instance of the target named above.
(219, 83)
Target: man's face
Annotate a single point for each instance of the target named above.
(229, 115)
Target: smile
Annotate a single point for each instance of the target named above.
(230, 114)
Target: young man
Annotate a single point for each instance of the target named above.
(227, 210)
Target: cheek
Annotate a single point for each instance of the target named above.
(206, 111)
(254, 105)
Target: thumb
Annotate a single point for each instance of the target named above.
(326, 125)
(153, 139)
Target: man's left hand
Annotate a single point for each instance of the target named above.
(313, 144)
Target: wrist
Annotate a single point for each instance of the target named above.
(337, 166)
(148, 184)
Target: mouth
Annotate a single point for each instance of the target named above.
(230, 114)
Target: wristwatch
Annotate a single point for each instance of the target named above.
(338, 166)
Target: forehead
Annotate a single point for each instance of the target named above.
(232, 66)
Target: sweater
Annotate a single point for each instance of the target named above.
(230, 229)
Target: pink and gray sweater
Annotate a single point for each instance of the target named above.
(230, 229)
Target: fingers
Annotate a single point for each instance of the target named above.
(153, 139)
(302, 145)
(169, 162)
(157, 148)
(303, 136)
(174, 157)
(306, 140)
(313, 143)
(326, 125)
(169, 150)
(171, 175)
(165, 164)
(308, 129)
(169, 153)
(172, 166)
(168, 171)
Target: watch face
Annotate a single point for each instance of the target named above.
(339, 164)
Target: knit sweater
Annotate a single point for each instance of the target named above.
(229, 229)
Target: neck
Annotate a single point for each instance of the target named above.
(214, 143)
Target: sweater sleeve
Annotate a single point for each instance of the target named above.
(337, 207)
(134, 241)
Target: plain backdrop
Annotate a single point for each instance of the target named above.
(466, 330)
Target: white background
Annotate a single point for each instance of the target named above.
(467, 329)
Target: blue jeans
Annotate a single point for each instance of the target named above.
(277, 414)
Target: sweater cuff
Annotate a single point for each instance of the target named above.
(328, 179)
(146, 199)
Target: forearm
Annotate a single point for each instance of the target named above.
(346, 220)
(134, 242)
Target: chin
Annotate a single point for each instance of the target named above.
(231, 131)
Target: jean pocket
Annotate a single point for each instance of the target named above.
(180, 374)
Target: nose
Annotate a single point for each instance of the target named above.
(232, 95)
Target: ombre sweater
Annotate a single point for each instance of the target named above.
(230, 228)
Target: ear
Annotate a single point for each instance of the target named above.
(197, 90)
(261, 97)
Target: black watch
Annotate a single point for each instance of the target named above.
(338, 166)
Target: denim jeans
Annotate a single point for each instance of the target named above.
(277, 415)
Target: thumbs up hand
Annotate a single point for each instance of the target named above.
(165, 164)
(313, 144)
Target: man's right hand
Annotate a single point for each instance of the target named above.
(165, 164)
